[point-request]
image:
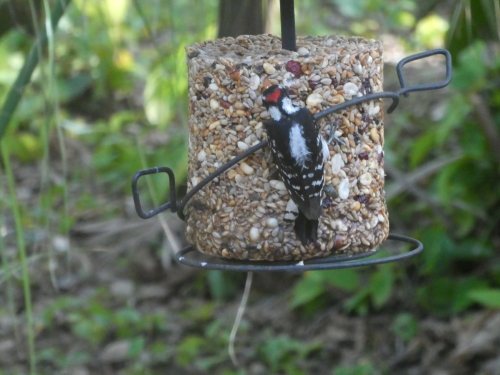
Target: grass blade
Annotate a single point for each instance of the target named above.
(24, 77)
(22, 257)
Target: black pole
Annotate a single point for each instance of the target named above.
(287, 25)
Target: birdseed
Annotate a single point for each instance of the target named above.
(241, 214)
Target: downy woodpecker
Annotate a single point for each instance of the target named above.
(300, 153)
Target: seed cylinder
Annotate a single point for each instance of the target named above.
(240, 214)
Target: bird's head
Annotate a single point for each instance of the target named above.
(273, 96)
(277, 102)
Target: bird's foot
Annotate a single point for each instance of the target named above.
(333, 134)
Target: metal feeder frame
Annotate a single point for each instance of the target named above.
(331, 262)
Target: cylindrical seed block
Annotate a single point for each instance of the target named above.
(241, 213)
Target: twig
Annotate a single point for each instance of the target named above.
(24, 76)
(239, 315)
(165, 259)
(487, 123)
(409, 185)
(412, 188)
(412, 178)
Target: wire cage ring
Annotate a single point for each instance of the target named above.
(332, 262)
(319, 264)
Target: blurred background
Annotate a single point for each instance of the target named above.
(86, 287)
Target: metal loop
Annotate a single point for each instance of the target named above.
(135, 193)
(405, 90)
(359, 100)
(328, 263)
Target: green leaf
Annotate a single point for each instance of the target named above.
(471, 72)
(306, 290)
(73, 87)
(437, 296)
(438, 246)
(358, 302)
(189, 349)
(220, 285)
(445, 296)
(472, 249)
(166, 89)
(486, 297)
(353, 8)
(201, 313)
(345, 279)
(472, 20)
(405, 326)
(381, 284)
(421, 148)
(312, 285)
(457, 111)
(474, 143)
(282, 352)
(275, 351)
(431, 30)
(462, 290)
(359, 369)
(135, 347)
(25, 146)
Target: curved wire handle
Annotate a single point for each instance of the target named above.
(404, 90)
(135, 193)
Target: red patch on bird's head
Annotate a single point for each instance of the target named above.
(274, 96)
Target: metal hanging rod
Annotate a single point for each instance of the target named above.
(288, 37)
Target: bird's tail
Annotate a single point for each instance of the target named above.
(306, 229)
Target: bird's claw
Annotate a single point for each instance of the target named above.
(333, 129)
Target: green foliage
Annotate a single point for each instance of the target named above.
(405, 326)
(376, 292)
(488, 297)
(94, 322)
(200, 313)
(221, 285)
(360, 369)
(285, 354)
(458, 222)
(397, 13)
(115, 84)
(204, 351)
(444, 296)
(460, 237)
(466, 188)
(472, 20)
(189, 348)
(63, 360)
(315, 284)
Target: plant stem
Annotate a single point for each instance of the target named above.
(239, 316)
(24, 76)
(487, 123)
(22, 257)
(8, 271)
